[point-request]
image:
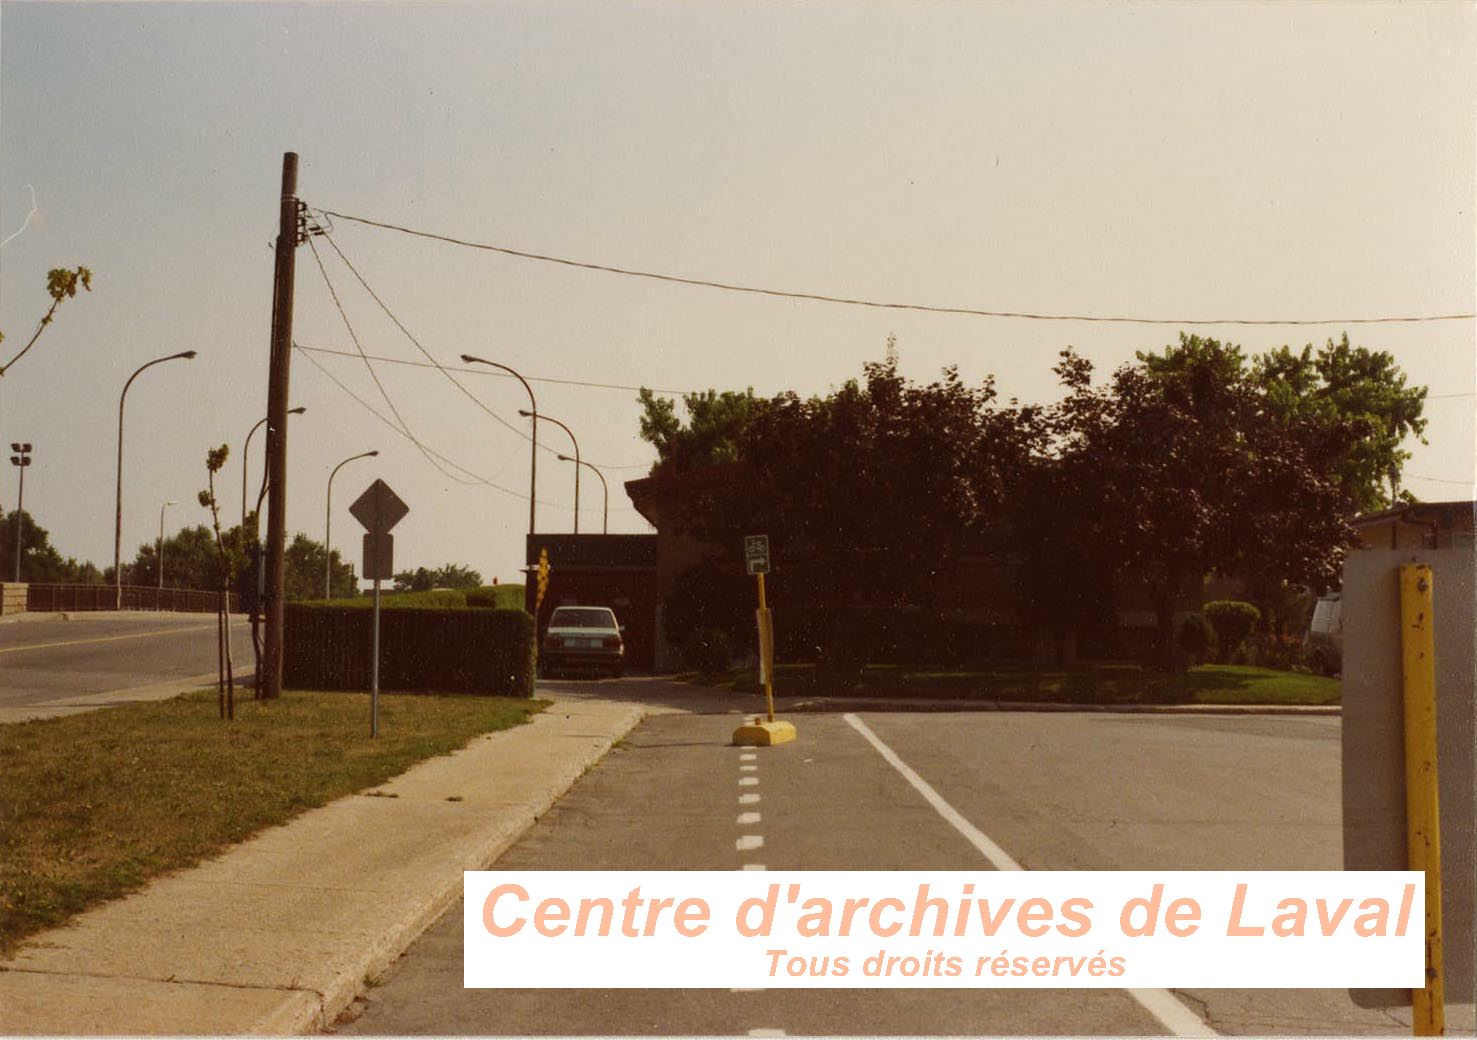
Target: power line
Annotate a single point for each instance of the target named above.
(1439, 480)
(404, 427)
(880, 304)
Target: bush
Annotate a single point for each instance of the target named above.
(1233, 621)
(496, 597)
(1285, 653)
(489, 652)
(1197, 638)
(709, 652)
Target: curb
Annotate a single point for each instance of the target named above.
(834, 704)
(300, 1013)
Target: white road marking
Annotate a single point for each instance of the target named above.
(1171, 1012)
(749, 756)
(755, 866)
(748, 781)
(745, 819)
(748, 769)
(749, 841)
(748, 799)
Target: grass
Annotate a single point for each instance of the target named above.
(94, 805)
(505, 597)
(1097, 683)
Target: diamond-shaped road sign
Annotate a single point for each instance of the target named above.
(379, 508)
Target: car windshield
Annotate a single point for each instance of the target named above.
(582, 617)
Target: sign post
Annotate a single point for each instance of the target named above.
(768, 731)
(378, 509)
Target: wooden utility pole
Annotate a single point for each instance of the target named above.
(277, 384)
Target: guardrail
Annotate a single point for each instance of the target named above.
(46, 598)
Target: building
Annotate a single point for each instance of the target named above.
(599, 570)
(1419, 525)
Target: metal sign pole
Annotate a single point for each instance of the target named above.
(374, 668)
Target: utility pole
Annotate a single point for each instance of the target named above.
(289, 214)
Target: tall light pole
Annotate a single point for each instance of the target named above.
(576, 443)
(160, 552)
(605, 514)
(533, 404)
(21, 459)
(245, 449)
(328, 524)
(183, 355)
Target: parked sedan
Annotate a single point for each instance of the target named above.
(583, 638)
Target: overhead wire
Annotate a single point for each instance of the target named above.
(404, 427)
(879, 304)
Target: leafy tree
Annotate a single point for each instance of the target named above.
(61, 284)
(304, 566)
(40, 561)
(716, 423)
(447, 576)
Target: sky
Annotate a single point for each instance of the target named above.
(1163, 160)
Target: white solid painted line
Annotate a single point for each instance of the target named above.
(745, 819)
(757, 989)
(748, 769)
(749, 841)
(754, 866)
(748, 781)
(748, 799)
(1171, 1012)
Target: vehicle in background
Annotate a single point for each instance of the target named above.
(585, 639)
(1326, 635)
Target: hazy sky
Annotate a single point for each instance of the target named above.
(1167, 160)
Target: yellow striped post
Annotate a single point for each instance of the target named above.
(1422, 809)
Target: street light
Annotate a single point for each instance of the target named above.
(533, 463)
(328, 525)
(605, 515)
(118, 505)
(21, 459)
(245, 448)
(160, 552)
(576, 443)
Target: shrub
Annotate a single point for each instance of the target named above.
(709, 652)
(1197, 638)
(496, 597)
(1286, 653)
(1233, 621)
(489, 652)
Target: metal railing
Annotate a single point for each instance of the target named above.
(44, 598)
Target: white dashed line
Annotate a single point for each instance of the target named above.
(748, 768)
(748, 781)
(749, 841)
(754, 866)
(1171, 1012)
(749, 756)
(747, 819)
(748, 799)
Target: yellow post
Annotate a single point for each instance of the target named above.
(766, 650)
(1422, 810)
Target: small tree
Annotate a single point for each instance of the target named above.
(61, 284)
(226, 685)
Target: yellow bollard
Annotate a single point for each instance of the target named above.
(1422, 809)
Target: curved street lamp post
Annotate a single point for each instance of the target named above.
(184, 355)
(575, 441)
(605, 513)
(245, 450)
(533, 404)
(328, 524)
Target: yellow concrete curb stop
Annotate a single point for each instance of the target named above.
(763, 734)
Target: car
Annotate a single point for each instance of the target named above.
(583, 638)
(1326, 635)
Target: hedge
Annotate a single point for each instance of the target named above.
(487, 652)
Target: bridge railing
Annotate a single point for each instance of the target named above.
(48, 598)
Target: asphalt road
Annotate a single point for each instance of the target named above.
(93, 660)
(1053, 791)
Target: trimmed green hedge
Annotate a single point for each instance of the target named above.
(488, 652)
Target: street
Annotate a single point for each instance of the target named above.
(916, 791)
(51, 666)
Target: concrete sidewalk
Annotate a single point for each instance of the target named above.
(280, 933)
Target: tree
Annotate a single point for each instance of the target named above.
(304, 565)
(447, 576)
(40, 561)
(1194, 461)
(868, 494)
(229, 562)
(191, 560)
(61, 284)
